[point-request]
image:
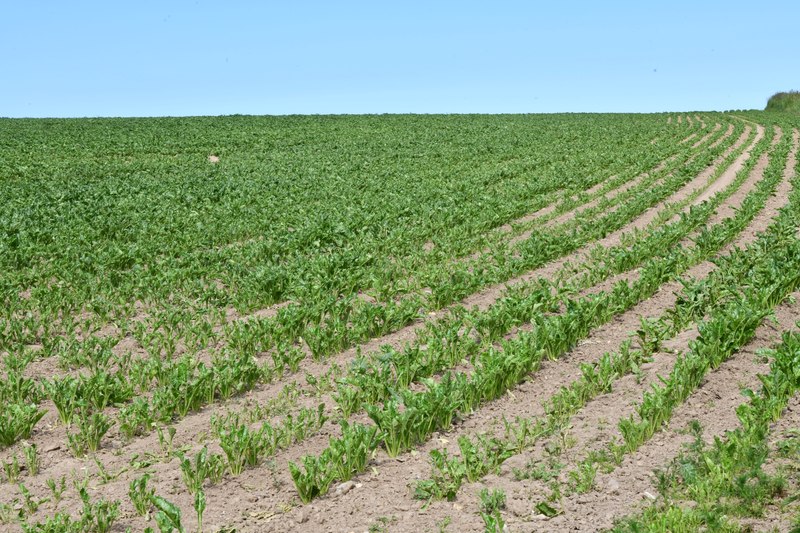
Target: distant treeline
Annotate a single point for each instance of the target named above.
(785, 101)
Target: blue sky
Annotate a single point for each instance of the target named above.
(121, 58)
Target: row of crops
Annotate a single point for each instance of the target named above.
(340, 308)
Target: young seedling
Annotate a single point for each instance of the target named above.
(168, 515)
(32, 461)
(141, 495)
(99, 516)
(31, 504)
(199, 508)
(91, 430)
(491, 503)
(12, 469)
(105, 475)
(57, 489)
(165, 442)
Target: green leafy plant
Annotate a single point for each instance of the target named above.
(168, 515)
(17, 422)
(57, 488)
(140, 495)
(91, 429)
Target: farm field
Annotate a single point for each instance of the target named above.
(573, 322)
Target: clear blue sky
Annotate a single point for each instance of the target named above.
(153, 58)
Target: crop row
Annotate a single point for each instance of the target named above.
(729, 478)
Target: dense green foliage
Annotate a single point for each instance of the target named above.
(785, 101)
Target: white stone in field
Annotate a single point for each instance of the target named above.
(344, 488)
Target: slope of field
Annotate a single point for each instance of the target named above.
(398, 323)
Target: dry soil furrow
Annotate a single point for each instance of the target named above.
(705, 137)
(614, 191)
(716, 143)
(592, 200)
(612, 194)
(607, 409)
(663, 361)
(734, 169)
(701, 181)
(732, 204)
(701, 121)
(774, 204)
(728, 210)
